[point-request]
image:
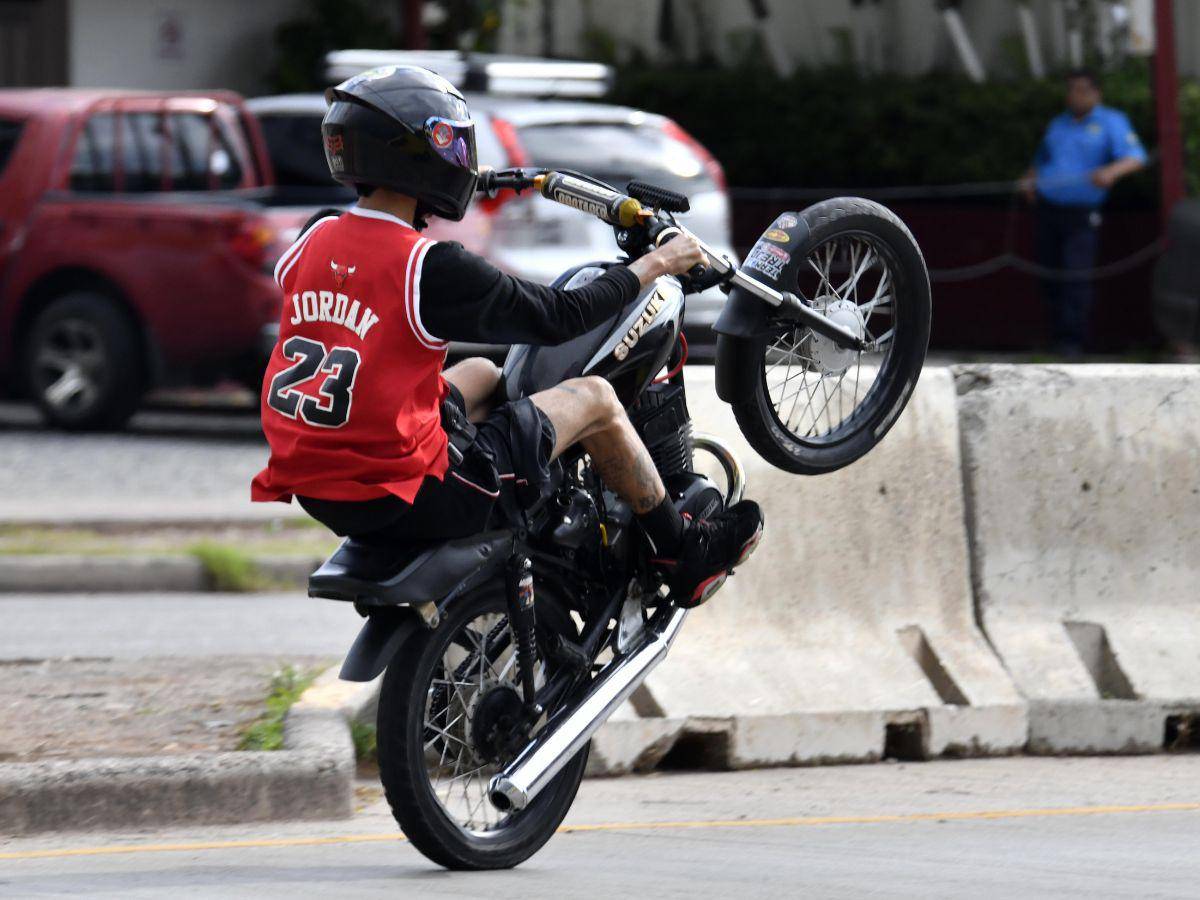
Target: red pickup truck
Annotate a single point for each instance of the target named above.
(133, 253)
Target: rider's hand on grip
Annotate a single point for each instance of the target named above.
(680, 253)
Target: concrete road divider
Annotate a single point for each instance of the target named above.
(1083, 487)
(850, 634)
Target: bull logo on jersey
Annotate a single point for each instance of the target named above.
(341, 273)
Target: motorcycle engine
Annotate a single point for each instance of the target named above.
(661, 419)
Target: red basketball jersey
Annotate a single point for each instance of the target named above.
(351, 402)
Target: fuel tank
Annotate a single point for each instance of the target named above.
(628, 351)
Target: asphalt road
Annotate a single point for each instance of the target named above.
(1027, 827)
(167, 465)
(128, 626)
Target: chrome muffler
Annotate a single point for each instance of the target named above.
(735, 472)
(515, 786)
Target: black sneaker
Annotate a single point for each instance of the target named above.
(710, 551)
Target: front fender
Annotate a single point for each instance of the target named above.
(774, 261)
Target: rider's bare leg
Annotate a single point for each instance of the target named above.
(696, 559)
(476, 379)
(587, 411)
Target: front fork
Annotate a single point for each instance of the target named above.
(522, 620)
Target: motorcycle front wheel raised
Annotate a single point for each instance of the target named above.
(812, 406)
(444, 706)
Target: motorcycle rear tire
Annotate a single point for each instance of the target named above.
(402, 765)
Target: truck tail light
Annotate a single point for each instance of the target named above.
(673, 130)
(506, 134)
(249, 243)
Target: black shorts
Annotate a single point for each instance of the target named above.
(506, 470)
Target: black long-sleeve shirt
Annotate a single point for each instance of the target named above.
(466, 298)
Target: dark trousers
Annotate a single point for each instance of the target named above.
(1067, 239)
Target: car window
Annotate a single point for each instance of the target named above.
(10, 132)
(191, 137)
(224, 161)
(197, 150)
(296, 151)
(92, 164)
(142, 151)
(617, 153)
(488, 146)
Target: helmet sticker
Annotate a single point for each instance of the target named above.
(443, 134)
(451, 140)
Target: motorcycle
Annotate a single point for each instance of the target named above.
(502, 653)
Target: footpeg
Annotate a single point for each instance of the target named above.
(567, 653)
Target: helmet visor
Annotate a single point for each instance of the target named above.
(452, 141)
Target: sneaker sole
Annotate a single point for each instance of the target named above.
(749, 547)
(708, 587)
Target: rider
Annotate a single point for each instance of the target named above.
(366, 430)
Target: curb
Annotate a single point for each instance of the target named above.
(311, 778)
(78, 573)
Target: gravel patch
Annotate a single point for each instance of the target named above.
(77, 708)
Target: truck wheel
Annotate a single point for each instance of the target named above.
(83, 363)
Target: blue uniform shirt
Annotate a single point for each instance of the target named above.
(1072, 148)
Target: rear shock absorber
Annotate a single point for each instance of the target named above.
(523, 620)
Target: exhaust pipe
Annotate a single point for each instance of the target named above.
(527, 775)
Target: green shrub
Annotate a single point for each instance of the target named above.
(266, 733)
(833, 127)
(365, 737)
(228, 568)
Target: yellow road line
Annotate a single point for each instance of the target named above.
(798, 821)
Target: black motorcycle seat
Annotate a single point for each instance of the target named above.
(397, 576)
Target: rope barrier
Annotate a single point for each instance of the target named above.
(1006, 260)
(1013, 261)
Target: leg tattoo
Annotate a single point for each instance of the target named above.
(626, 467)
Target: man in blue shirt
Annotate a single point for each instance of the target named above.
(1084, 152)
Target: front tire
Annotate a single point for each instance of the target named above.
(803, 412)
(83, 364)
(410, 728)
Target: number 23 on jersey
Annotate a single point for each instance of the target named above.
(335, 395)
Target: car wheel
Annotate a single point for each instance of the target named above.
(82, 363)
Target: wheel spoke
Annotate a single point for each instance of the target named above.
(477, 658)
(852, 267)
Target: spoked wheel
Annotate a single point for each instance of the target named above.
(450, 717)
(816, 406)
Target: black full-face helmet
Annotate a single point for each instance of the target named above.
(404, 128)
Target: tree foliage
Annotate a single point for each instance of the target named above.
(833, 127)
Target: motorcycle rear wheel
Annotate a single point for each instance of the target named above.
(428, 706)
(796, 415)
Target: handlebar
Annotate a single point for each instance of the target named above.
(605, 203)
(599, 200)
(625, 212)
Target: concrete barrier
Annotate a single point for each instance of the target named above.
(850, 634)
(1083, 487)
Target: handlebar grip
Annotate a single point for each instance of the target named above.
(696, 272)
(611, 206)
